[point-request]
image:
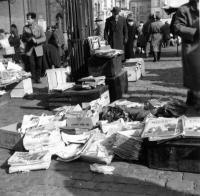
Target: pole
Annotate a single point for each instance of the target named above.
(9, 12)
(24, 12)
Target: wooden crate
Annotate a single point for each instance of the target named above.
(10, 138)
(177, 155)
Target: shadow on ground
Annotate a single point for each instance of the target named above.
(127, 179)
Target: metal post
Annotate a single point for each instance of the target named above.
(9, 12)
(24, 12)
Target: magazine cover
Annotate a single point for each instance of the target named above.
(162, 128)
(27, 158)
(191, 126)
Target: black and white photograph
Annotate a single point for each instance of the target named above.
(99, 98)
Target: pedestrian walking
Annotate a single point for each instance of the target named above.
(145, 31)
(156, 37)
(131, 45)
(141, 38)
(116, 33)
(166, 34)
(186, 25)
(33, 36)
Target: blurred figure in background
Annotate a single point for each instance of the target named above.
(131, 45)
(146, 34)
(99, 30)
(166, 34)
(53, 51)
(14, 41)
(156, 37)
(186, 25)
(116, 33)
(141, 38)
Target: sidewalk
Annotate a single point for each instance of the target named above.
(163, 79)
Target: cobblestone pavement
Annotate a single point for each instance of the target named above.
(163, 79)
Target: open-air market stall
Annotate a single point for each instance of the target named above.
(14, 82)
(154, 133)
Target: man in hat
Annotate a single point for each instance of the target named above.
(99, 30)
(116, 33)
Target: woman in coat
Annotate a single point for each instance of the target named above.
(156, 37)
(186, 25)
(131, 45)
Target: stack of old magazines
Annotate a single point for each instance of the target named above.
(26, 161)
(157, 129)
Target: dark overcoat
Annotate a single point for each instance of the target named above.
(156, 35)
(131, 42)
(186, 25)
(116, 33)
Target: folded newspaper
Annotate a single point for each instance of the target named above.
(26, 161)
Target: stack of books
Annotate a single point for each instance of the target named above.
(91, 82)
(26, 161)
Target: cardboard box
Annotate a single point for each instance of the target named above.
(22, 88)
(56, 77)
(102, 66)
(136, 62)
(82, 122)
(134, 73)
(10, 138)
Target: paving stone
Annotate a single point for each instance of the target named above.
(168, 175)
(192, 177)
(182, 186)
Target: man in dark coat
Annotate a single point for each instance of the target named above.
(166, 34)
(186, 25)
(115, 32)
(145, 32)
(156, 37)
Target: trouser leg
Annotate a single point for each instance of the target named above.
(32, 63)
(159, 54)
(155, 55)
(38, 68)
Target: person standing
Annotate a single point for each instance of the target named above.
(166, 34)
(156, 37)
(99, 30)
(186, 25)
(131, 45)
(145, 31)
(115, 32)
(14, 40)
(33, 36)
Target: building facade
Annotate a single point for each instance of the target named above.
(18, 11)
(143, 8)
